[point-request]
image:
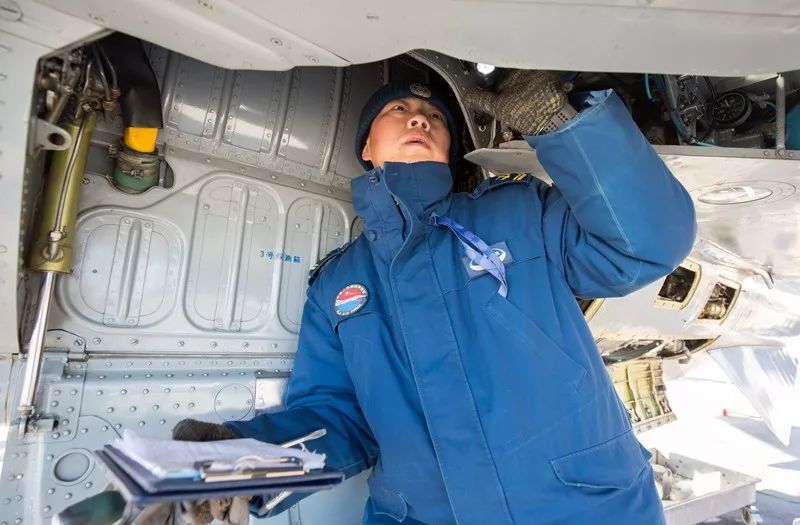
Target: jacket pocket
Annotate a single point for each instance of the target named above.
(386, 502)
(533, 339)
(453, 269)
(613, 464)
(536, 384)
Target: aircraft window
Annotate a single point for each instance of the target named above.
(720, 303)
(679, 286)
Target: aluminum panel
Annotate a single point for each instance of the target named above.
(195, 100)
(255, 105)
(229, 287)
(360, 84)
(722, 38)
(232, 35)
(127, 269)
(760, 230)
(93, 402)
(313, 228)
(314, 95)
(301, 123)
(209, 279)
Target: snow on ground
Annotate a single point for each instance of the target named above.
(740, 441)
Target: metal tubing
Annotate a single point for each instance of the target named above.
(52, 247)
(64, 92)
(780, 115)
(58, 107)
(52, 250)
(35, 345)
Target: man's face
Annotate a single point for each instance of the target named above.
(407, 130)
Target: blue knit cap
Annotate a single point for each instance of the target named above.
(394, 91)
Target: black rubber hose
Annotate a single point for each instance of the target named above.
(100, 72)
(140, 97)
(110, 66)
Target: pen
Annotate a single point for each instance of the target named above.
(271, 504)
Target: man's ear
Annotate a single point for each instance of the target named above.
(366, 154)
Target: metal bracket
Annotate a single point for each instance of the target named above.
(452, 71)
(515, 156)
(780, 116)
(48, 137)
(78, 356)
(270, 387)
(42, 424)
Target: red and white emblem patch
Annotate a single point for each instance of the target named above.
(350, 299)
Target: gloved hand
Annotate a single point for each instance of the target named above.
(525, 100)
(229, 511)
(194, 430)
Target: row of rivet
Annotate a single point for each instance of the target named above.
(170, 375)
(135, 341)
(199, 362)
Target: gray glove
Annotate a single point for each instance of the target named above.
(525, 100)
(229, 511)
(194, 430)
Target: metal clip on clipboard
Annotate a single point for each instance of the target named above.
(274, 502)
(250, 467)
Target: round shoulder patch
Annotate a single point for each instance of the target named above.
(350, 299)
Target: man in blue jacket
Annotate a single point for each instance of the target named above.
(444, 347)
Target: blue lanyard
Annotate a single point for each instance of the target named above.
(476, 250)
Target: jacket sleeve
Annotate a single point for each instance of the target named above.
(319, 395)
(616, 219)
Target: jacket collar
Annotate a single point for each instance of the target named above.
(392, 199)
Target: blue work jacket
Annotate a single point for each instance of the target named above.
(474, 408)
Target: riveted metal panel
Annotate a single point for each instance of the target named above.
(313, 228)
(301, 123)
(92, 402)
(608, 34)
(255, 104)
(195, 96)
(360, 85)
(209, 273)
(95, 401)
(173, 297)
(228, 287)
(127, 269)
(761, 230)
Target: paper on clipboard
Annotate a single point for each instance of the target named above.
(166, 458)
